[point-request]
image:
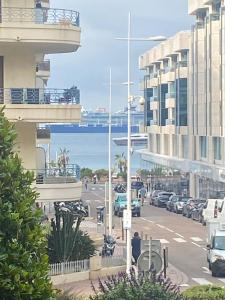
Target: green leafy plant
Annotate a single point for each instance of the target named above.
(144, 287)
(204, 292)
(102, 173)
(23, 259)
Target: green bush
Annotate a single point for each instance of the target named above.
(125, 287)
(204, 292)
(102, 173)
(23, 258)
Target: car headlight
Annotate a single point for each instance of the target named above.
(216, 257)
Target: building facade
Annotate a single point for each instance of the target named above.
(195, 142)
(29, 30)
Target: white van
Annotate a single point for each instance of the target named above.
(212, 210)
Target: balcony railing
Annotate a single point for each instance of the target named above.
(39, 96)
(40, 16)
(153, 122)
(153, 75)
(43, 66)
(58, 174)
(170, 122)
(154, 98)
(43, 133)
(170, 95)
(182, 64)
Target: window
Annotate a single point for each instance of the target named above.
(217, 148)
(203, 146)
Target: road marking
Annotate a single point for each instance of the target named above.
(101, 189)
(206, 270)
(160, 226)
(179, 235)
(196, 244)
(148, 220)
(204, 249)
(201, 281)
(184, 285)
(93, 189)
(170, 230)
(179, 240)
(221, 279)
(163, 241)
(196, 239)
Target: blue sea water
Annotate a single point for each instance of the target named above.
(90, 150)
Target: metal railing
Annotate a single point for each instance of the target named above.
(170, 95)
(153, 75)
(170, 122)
(153, 122)
(169, 69)
(55, 174)
(182, 64)
(43, 133)
(40, 16)
(154, 98)
(69, 267)
(38, 96)
(43, 66)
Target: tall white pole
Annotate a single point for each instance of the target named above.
(129, 149)
(110, 156)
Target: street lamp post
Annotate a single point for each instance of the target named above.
(130, 99)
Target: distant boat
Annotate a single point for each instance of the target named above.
(136, 140)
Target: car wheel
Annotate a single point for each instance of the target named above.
(176, 211)
(120, 214)
(192, 216)
(214, 273)
(115, 213)
(138, 214)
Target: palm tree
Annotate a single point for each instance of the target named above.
(121, 162)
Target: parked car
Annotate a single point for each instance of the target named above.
(196, 213)
(176, 203)
(188, 207)
(153, 195)
(162, 199)
(120, 204)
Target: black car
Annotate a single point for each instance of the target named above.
(196, 213)
(162, 198)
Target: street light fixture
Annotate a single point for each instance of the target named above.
(129, 39)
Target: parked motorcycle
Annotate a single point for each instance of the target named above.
(108, 246)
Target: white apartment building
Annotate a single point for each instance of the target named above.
(196, 140)
(29, 30)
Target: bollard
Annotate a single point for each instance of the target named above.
(146, 237)
(164, 262)
(142, 235)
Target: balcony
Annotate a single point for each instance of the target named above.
(42, 29)
(43, 70)
(170, 96)
(170, 122)
(170, 102)
(43, 136)
(58, 183)
(154, 104)
(153, 122)
(41, 105)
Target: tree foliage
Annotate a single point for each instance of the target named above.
(23, 259)
(86, 172)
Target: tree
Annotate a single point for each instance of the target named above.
(66, 242)
(121, 163)
(85, 172)
(23, 259)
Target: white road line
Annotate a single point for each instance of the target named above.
(184, 285)
(221, 279)
(204, 249)
(179, 235)
(148, 220)
(206, 270)
(196, 244)
(160, 226)
(101, 189)
(93, 189)
(201, 281)
(179, 240)
(196, 239)
(170, 230)
(163, 241)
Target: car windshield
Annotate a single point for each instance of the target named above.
(122, 198)
(219, 243)
(183, 199)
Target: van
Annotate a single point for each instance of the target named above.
(212, 210)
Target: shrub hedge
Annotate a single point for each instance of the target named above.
(204, 292)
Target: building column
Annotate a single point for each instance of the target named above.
(194, 186)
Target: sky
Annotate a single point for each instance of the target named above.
(102, 21)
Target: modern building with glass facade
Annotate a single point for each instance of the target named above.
(185, 116)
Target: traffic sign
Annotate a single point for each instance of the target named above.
(143, 261)
(126, 219)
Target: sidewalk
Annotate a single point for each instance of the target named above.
(83, 288)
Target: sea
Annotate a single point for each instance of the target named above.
(90, 150)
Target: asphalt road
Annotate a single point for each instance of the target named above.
(186, 239)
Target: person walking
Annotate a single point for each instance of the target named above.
(86, 183)
(142, 194)
(136, 246)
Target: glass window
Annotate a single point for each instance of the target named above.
(217, 148)
(203, 146)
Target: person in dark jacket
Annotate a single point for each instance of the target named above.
(136, 246)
